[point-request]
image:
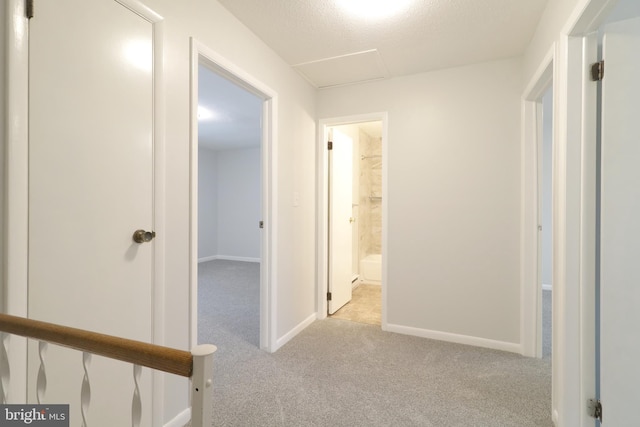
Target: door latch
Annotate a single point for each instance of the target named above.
(141, 236)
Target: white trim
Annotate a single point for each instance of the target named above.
(573, 364)
(293, 332)
(322, 213)
(16, 225)
(456, 338)
(547, 287)
(228, 258)
(530, 250)
(268, 282)
(181, 419)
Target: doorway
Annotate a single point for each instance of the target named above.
(352, 256)
(229, 187)
(232, 125)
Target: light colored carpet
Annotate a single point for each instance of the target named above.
(343, 373)
(546, 324)
(365, 306)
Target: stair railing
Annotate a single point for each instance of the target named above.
(196, 365)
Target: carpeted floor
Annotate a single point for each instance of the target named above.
(546, 324)
(342, 373)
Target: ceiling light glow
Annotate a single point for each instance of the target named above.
(205, 114)
(374, 9)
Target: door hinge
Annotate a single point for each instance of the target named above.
(328, 296)
(597, 71)
(595, 409)
(29, 9)
(330, 145)
(261, 224)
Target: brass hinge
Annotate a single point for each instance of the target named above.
(29, 9)
(595, 409)
(597, 71)
(330, 145)
(328, 296)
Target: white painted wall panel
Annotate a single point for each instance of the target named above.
(207, 203)
(238, 203)
(454, 195)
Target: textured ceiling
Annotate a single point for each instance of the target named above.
(429, 35)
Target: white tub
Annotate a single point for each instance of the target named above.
(371, 269)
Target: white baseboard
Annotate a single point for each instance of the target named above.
(546, 287)
(455, 338)
(228, 258)
(207, 258)
(181, 419)
(238, 258)
(295, 331)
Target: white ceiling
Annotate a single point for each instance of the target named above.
(236, 114)
(329, 47)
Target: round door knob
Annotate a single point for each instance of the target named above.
(141, 236)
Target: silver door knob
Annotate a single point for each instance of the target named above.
(141, 236)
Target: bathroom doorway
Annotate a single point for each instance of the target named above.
(352, 255)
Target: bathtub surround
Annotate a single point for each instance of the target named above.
(370, 195)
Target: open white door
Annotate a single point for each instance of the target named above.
(340, 220)
(620, 226)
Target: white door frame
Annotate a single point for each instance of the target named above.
(268, 284)
(531, 294)
(322, 203)
(574, 237)
(16, 190)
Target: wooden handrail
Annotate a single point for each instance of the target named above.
(165, 359)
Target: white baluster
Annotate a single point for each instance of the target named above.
(5, 373)
(85, 394)
(136, 404)
(202, 385)
(41, 382)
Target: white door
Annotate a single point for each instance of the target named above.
(620, 226)
(90, 187)
(340, 220)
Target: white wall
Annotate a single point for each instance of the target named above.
(454, 197)
(207, 203)
(239, 203)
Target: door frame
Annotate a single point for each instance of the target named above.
(16, 211)
(531, 151)
(574, 216)
(322, 203)
(200, 53)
